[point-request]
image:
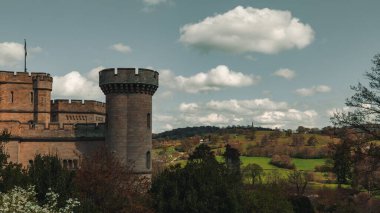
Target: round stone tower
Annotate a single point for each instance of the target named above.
(129, 94)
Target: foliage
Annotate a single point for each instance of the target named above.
(299, 180)
(312, 141)
(267, 198)
(19, 200)
(282, 161)
(232, 159)
(203, 185)
(11, 174)
(365, 103)
(253, 173)
(298, 140)
(46, 172)
(105, 184)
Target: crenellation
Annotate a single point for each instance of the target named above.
(71, 127)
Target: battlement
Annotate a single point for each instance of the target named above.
(26, 77)
(128, 80)
(53, 130)
(67, 105)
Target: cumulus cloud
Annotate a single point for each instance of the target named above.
(122, 48)
(154, 2)
(332, 111)
(245, 106)
(74, 85)
(285, 73)
(262, 112)
(188, 107)
(213, 80)
(12, 53)
(248, 29)
(313, 90)
(290, 117)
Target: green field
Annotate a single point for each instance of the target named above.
(301, 164)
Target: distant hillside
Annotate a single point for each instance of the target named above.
(186, 132)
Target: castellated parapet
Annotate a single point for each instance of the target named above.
(27, 111)
(129, 114)
(73, 128)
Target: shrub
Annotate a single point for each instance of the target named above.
(282, 161)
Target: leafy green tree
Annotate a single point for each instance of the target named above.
(203, 185)
(46, 172)
(11, 174)
(253, 172)
(232, 159)
(267, 198)
(19, 200)
(342, 161)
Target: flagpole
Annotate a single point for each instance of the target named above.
(26, 53)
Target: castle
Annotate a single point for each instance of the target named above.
(71, 129)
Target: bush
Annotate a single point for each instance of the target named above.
(282, 161)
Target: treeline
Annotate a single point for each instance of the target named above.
(181, 133)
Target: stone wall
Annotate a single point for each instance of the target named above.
(78, 111)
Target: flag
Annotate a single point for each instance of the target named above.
(26, 53)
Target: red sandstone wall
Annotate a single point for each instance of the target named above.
(23, 152)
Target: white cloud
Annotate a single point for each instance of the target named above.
(291, 117)
(245, 106)
(93, 75)
(153, 2)
(12, 53)
(285, 73)
(332, 111)
(262, 112)
(248, 30)
(122, 48)
(188, 107)
(313, 90)
(214, 80)
(74, 85)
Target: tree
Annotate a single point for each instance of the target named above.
(301, 130)
(365, 116)
(105, 184)
(47, 173)
(312, 141)
(298, 140)
(299, 180)
(11, 174)
(19, 200)
(232, 158)
(203, 185)
(253, 173)
(342, 161)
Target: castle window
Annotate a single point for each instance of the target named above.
(30, 162)
(148, 160)
(148, 120)
(31, 97)
(11, 98)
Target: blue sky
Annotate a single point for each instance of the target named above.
(276, 63)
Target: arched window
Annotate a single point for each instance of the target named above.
(11, 98)
(148, 160)
(148, 120)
